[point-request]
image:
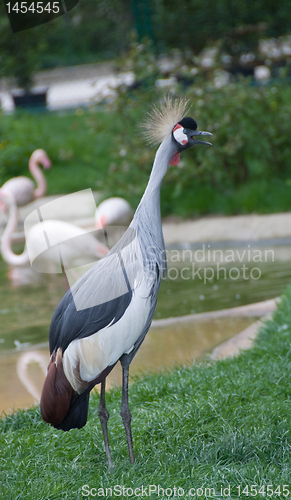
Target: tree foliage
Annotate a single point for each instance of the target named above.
(196, 23)
(98, 29)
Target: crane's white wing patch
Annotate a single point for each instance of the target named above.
(86, 358)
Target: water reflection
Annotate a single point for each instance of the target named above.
(28, 380)
(28, 301)
(219, 282)
(22, 373)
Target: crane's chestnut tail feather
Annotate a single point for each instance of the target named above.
(56, 393)
(78, 410)
(60, 405)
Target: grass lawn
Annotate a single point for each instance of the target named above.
(216, 425)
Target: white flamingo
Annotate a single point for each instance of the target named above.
(113, 211)
(22, 188)
(72, 247)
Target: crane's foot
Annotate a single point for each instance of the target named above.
(126, 419)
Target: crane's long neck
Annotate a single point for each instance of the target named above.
(7, 253)
(37, 174)
(149, 211)
(160, 166)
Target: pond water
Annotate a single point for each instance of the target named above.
(198, 281)
(209, 277)
(22, 371)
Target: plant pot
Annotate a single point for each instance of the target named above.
(32, 100)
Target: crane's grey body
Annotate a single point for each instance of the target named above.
(139, 256)
(105, 316)
(86, 316)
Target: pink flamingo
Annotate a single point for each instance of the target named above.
(22, 188)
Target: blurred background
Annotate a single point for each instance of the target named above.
(80, 86)
(231, 59)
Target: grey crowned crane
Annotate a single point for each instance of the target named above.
(106, 314)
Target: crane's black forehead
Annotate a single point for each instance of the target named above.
(188, 122)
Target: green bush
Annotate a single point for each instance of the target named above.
(94, 30)
(247, 169)
(21, 53)
(97, 30)
(194, 23)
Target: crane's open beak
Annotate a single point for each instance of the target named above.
(191, 142)
(192, 133)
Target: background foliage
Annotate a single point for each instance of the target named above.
(247, 169)
(196, 23)
(97, 29)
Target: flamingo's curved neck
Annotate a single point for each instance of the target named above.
(37, 174)
(7, 253)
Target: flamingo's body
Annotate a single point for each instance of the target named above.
(76, 242)
(106, 314)
(113, 211)
(22, 188)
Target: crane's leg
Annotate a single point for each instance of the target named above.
(104, 416)
(125, 411)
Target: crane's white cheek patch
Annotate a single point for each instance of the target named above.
(179, 135)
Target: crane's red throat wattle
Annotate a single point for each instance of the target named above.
(175, 159)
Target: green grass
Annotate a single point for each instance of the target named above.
(224, 424)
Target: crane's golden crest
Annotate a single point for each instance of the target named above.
(163, 117)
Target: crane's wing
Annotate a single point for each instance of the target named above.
(69, 324)
(101, 296)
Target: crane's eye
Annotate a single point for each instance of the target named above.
(185, 131)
